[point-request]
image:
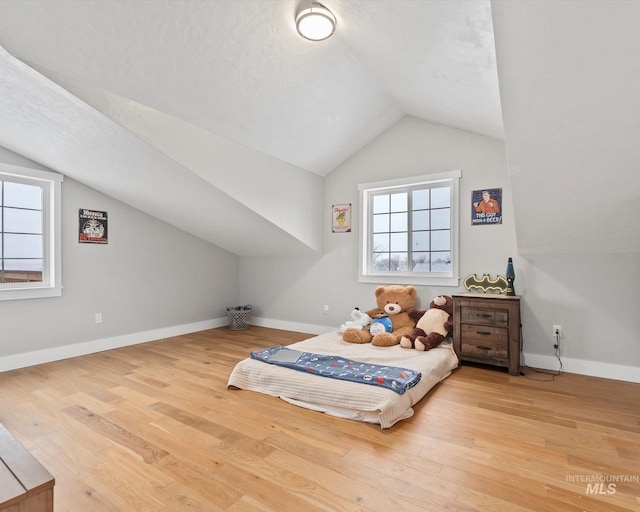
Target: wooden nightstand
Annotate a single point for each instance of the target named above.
(486, 329)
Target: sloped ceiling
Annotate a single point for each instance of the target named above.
(209, 103)
(570, 85)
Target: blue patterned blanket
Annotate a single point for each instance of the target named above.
(336, 367)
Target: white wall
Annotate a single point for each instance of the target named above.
(149, 281)
(294, 290)
(596, 299)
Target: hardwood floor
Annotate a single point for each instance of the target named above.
(152, 427)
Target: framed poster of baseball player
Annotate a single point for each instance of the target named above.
(486, 206)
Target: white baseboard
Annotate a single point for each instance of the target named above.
(292, 326)
(14, 361)
(584, 367)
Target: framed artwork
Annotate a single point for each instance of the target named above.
(486, 206)
(92, 227)
(341, 218)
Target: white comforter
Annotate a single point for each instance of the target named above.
(348, 399)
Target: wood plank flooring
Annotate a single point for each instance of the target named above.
(153, 428)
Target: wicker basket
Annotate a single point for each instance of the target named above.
(238, 319)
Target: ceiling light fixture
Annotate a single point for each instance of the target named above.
(316, 23)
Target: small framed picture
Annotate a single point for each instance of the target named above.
(341, 218)
(92, 227)
(486, 206)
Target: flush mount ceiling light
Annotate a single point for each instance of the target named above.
(316, 23)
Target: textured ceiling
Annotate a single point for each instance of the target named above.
(238, 68)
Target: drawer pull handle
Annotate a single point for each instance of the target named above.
(483, 315)
(483, 333)
(481, 347)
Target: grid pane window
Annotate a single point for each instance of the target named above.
(21, 234)
(395, 241)
(29, 233)
(409, 230)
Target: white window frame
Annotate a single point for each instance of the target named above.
(51, 184)
(366, 191)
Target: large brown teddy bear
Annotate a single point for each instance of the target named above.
(393, 301)
(433, 326)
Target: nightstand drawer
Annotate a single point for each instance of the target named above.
(486, 329)
(483, 341)
(485, 316)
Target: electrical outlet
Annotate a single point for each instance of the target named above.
(557, 332)
(326, 309)
(98, 318)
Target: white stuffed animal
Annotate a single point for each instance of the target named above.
(360, 321)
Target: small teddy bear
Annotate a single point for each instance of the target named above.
(360, 321)
(433, 325)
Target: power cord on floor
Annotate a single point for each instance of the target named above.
(550, 373)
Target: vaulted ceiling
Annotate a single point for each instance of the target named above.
(187, 110)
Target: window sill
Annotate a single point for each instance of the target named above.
(29, 293)
(410, 279)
